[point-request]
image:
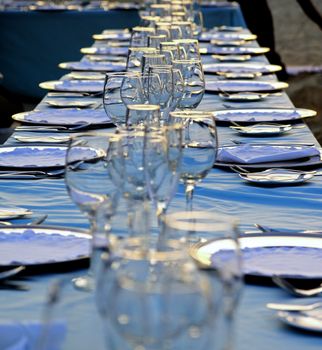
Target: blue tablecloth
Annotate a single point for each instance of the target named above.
(33, 43)
(297, 207)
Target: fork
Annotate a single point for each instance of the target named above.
(287, 286)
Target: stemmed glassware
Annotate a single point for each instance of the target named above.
(213, 240)
(152, 299)
(113, 103)
(162, 162)
(194, 82)
(91, 188)
(199, 147)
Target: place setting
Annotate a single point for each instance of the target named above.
(105, 50)
(239, 86)
(63, 119)
(93, 66)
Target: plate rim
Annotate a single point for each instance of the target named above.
(20, 118)
(53, 266)
(307, 161)
(207, 264)
(270, 85)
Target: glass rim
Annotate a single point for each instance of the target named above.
(143, 107)
(142, 29)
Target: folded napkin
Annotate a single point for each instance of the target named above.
(253, 154)
(26, 335)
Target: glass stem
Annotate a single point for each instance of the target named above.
(189, 195)
(100, 231)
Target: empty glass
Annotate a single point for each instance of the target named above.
(135, 55)
(156, 40)
(216, 235)
(152, 60)
(200, 146)
(112, 100)
(153, 300)
(139, 36)
(188, 48)
(194, 82)
(91, 188)
(143, 114)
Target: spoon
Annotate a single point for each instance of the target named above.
(287, 286)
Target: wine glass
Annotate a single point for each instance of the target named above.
(139, 36)
(135, 55)
(142, 114)
(200, 145)
(112, 100)
(162, 161)
(91, 188)
(152, 299)
(210, 229)
(194, 82)
(188, 48)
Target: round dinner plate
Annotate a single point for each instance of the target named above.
(227, 36)
(64, 117)
(287, 255)
(103, 50)
(94, 66)
(244, 86)
(112, 36)
(233, 50)
(257, 115)
(262, 129)
(39, 157)
(92, 86)
(42, 246)
(215, 68)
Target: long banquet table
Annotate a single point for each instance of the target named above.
(222, 191)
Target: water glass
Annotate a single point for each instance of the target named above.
(194, 82)
(113, 103)
(200, 147)
(223, 263)
(139, 36)
(135, 55)
(91, 188)
(155, 299)
(188, 49)
(143, 114)
(152, 60)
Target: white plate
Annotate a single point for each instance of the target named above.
(31, 246)
(42, 139)
(233, 50)
(72, 102)
(262, 129)
(287, 156)
(64, 117)
(241, 68)
(85, 76)
(232, 58)
(277, 177)
(289, 255)
(92, 86)
(94, 66)
(255, 115)
(228, 36)
(244, 85)
(112, 36)
(34, 157)
(103, 50)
